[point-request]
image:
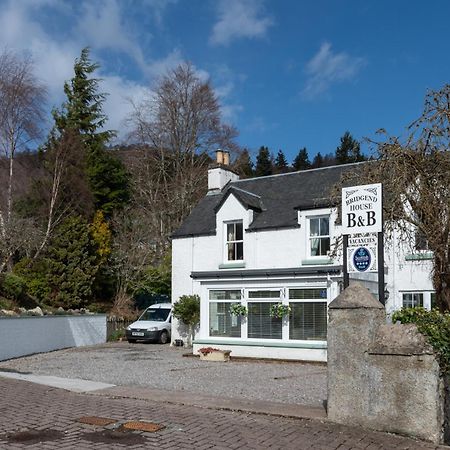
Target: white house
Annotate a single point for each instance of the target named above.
(265, 241)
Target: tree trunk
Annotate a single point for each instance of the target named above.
(441, 282)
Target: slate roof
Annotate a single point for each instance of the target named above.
(275, 199)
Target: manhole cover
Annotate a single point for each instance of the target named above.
(114, 437)
(33, 436)
(142, 426)
(98, 421)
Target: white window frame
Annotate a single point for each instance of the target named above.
(226, 241)
(229, 301)
(426, 297)
(309, 237)
(289, 300)
(279, 299)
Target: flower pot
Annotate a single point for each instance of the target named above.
(216, 355)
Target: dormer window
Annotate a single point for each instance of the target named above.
(319, 236)
(234, 248)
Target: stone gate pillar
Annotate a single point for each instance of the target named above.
(354, 317)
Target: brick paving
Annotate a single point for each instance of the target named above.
(33, 416)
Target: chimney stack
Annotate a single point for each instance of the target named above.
(219, 174)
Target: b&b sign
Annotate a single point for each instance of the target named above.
(361, 209)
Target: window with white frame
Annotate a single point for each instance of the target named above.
(221, 321)
(261, 325)
(319, 236)
(308, 315)
(234, 246)
(412, 299)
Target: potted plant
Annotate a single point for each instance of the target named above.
(187, 309)
(214, 354)
(278, 310)
(236, 309)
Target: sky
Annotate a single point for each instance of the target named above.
(288, 74)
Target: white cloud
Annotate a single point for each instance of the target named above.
(118, 105)
(327, 68)
(239, 19)
(158, 8)
(103, 23)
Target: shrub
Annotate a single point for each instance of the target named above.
(116, 335)
(12, 286)
(435, 326)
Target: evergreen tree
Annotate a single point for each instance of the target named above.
(317, 161)
(329, 160)
(72, 264)
(281, 164)
(349, 150)
(301, 161)
(264, 165)
(83, 113)
(244, 165)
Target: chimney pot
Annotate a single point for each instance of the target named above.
(219, 156)
(226, 158)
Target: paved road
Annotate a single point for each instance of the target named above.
(34, 416)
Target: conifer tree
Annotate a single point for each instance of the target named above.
(82, 112)
(349, 150)
(281, 164)
(71, 264)
(244, 165)
(301, 161)
(264, 165)
(317, 161)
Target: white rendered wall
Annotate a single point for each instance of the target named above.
(20, 336)
(299, 354)
(405, 276)
(280, 248)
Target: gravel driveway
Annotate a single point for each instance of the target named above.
(164, 367)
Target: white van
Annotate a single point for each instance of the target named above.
(154, 324)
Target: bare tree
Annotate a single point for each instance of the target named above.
(133, 250)
(415, 173)
(22, 102)
(180, 124)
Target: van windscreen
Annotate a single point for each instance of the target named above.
(155, 315)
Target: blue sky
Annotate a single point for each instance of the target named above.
(288, 73)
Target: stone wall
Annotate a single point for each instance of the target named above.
(382, 376)
(20, 336)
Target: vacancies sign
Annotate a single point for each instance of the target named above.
(361, 209)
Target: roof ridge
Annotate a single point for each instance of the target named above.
(299, 171)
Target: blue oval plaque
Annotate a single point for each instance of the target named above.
(362, 259)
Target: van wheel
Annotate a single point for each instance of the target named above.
(164, 337)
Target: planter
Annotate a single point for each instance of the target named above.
(215, 355)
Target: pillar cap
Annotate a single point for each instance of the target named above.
(356, 296)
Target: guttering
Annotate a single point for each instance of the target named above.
(268, 273)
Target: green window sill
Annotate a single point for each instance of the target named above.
(245, 343)
(317, 262)
(231, 265)
(419, 256)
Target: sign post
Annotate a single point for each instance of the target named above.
(362, 228)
